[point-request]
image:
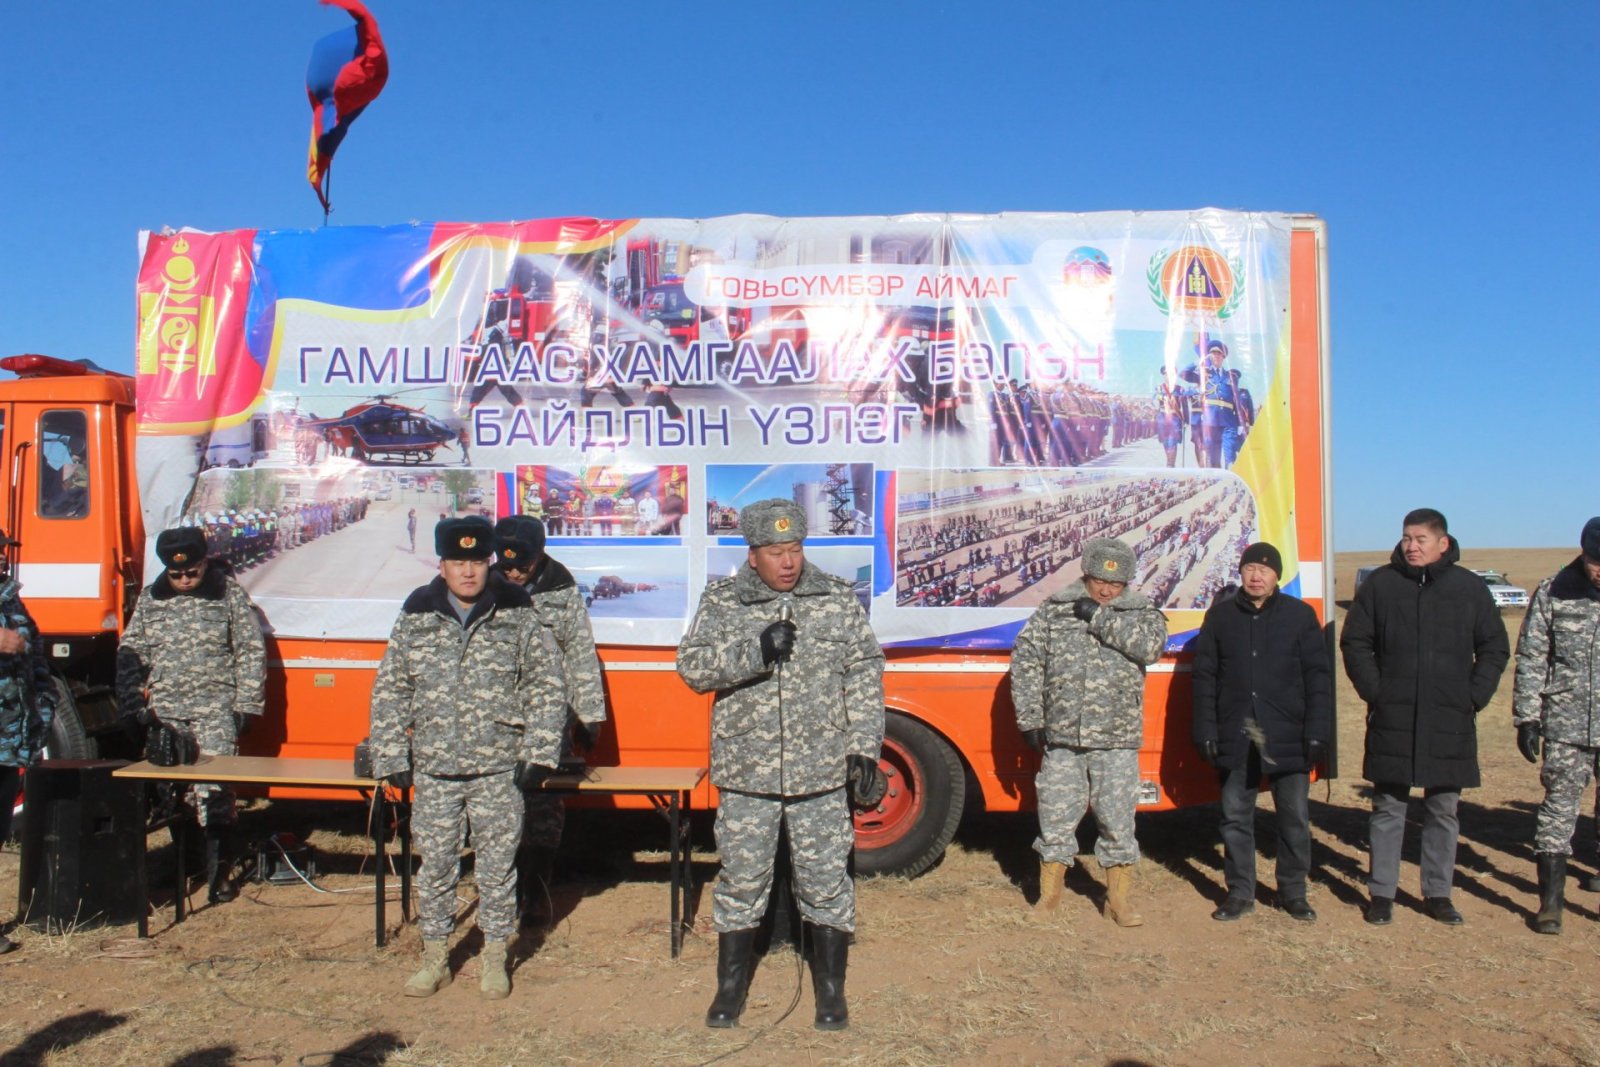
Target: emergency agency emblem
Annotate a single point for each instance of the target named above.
(1195, 279)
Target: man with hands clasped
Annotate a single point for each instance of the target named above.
(469, 706)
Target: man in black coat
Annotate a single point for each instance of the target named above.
(1263, 707)
(1424, 647)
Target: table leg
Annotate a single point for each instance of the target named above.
(180, 838)
(380, 821)
(674, 821)
(141, 875)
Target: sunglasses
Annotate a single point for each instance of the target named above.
(191, 572)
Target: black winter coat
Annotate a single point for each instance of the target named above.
(1425, 648)
(1269, 664)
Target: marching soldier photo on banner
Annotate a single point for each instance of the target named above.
(467, 710)
(797, 727)
(1556, 709)
(564, 628)
(191, 671)
(1077, 685)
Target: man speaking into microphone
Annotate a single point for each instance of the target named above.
(796, 726)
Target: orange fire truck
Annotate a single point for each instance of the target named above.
(951, 741)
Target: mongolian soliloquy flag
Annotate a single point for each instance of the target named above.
(347, 71)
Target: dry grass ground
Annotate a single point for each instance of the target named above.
(950, 968)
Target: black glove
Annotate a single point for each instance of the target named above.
(1084, 607)
(400, 780)
(1528, 740)
(865, 781)
(140, 716)
(528, 777)
(1035, 739)
(1211, 751)
(777, 642)
(585, 735)
(1316, 751)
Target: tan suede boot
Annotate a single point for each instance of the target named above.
(1119, 883)
(1051, 878)
(435, 973)
(496, 981)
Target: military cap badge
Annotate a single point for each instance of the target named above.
(509, 553)
(180, 557)
(1110, 565)
(469, 542)
(781, 524)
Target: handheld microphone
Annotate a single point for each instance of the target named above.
(785, 614)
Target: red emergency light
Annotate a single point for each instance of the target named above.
(32, 365)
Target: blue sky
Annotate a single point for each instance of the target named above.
(1451, 147)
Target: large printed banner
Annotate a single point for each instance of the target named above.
(959, 402)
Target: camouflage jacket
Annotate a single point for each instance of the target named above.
(569, 637)
(462, 700)
(785, 730)
(1558, 659)
(27, 692)
(197, 658)
(1084, 681)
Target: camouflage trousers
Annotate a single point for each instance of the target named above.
(1565, 774)
(211, 803)
(544, 820)
(1074, 780)
(441, 812)
(820, 839)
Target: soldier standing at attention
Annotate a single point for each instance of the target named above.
(27, 697)
(468, 702)
(568, 637)
(798, 719)
(193, 657)
(1077, 683)
(1557, 699)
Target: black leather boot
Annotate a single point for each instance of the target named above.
(219, 861)
(830, 954)
(1552, 892)
(735, 956)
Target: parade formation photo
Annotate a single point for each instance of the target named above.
(571, 592)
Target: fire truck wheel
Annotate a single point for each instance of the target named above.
(907, 833)
(67, 738)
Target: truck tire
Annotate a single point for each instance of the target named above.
(908, 832)
(67, 739)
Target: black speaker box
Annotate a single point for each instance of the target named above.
(80, 845)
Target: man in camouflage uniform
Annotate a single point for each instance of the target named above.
(468, 702)
(27, 696)
(1557, 698)
(193, 657)
(1077, 683)
(567, 636)
(798, 677)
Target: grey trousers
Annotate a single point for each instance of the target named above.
(1441, 828)
(1291, 798)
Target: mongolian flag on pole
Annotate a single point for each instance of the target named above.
(347, 72)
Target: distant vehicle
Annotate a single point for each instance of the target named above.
(475, 495)
(378, 431)
(586, 591)
(386, 493)
(1505, 594)
(407, 481)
